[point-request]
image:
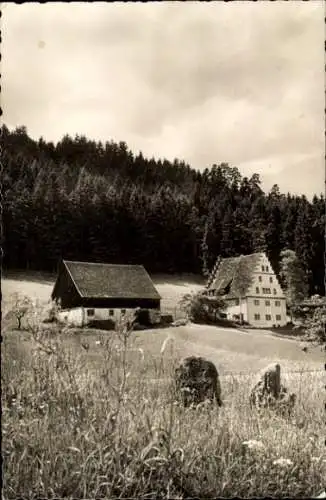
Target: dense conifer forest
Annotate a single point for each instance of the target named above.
(86, 200)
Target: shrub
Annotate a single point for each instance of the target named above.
(315, 325)
(51, 313)
(143, 317)
(166, 319)
(201, 308)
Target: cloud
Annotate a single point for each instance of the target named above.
(241, 82)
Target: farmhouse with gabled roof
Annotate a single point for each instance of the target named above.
(250, 288)
(88, 291)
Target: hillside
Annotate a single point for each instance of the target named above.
(84, 200)
(37, 285)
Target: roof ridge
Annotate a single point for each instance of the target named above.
(243, 255)
(92, 279)
(234, 268)
(72, 278)
(101, 263)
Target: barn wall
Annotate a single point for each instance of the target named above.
(104, 313)
(78, 316)
(73, 317)
(120, 303)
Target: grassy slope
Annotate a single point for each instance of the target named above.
(63, 437)
(231, 350)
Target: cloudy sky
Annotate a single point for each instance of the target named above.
(239, 82)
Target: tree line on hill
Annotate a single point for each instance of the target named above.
(86, 200)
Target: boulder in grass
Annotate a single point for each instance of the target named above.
(269, 392)
(197, 380)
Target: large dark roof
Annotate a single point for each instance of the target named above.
(96, 280)
(235, 273)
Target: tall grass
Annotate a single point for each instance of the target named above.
(112, 429)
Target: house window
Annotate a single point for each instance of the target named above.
(260, 278)
(257, 289)
(256, 302)
(277, 303)
(263, 268)
(236, 302)
(278, 317)
(267, 302)
(123, 312)
(268, 317)
(271, 279)
(257, 317)
(90, 312)
(266, 290)
(111, 312)
(274, 291)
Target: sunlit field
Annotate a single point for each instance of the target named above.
(88, 415)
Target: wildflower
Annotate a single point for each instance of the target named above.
(283, 462)
(253, 444)
(142, 353)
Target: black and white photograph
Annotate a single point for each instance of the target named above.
(163, 216)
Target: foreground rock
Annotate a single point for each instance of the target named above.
(269, 392)
(197, 380)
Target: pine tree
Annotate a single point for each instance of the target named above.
(82, 199)
(294, 278)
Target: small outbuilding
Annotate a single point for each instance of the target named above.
(88, 292)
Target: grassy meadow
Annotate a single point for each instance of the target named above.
(101, 420)
(88, 414)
